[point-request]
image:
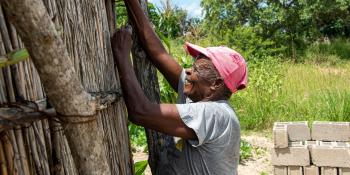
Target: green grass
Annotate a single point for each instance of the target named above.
(305, 92)
(318, 93)
(245, 151)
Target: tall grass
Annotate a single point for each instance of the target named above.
(330, 53)
(319, 92)
(306, 92)
(315, 89)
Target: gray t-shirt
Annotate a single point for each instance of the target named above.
(217, 128)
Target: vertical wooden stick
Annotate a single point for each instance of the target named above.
(3, 160)
(9, 153)
(21, 150)
(16, 157)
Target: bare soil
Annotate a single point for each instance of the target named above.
(257, 164)
(260, 162)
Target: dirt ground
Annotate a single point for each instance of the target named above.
(258, 164)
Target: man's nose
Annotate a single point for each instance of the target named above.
(188, 71)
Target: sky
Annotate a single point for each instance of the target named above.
(192, 6)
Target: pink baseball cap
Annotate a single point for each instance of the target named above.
(229, 63)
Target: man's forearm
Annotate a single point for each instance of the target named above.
(134, 97)
(147, 35)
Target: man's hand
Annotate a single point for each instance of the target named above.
(121, 44)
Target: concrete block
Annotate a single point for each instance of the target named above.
(331, 154)
(311, 170)
(280, 136)
(328, 171)
(280, 170)
(344, 171)
(295, 170)
(297, 154)
(298, 131)
(331, 131)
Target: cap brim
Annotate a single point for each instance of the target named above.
(195, 50)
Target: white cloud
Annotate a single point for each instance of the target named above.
(194, 9)
(193, 6)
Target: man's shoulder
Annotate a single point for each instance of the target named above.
(217, 108)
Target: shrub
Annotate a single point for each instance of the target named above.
(137, 137)
(245, 150)
(256, 104)
(328, 53)
(245, 40)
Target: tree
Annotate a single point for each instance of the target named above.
(219, 15)
(291, 23)
(122, 16)
(172, 20)
(332, 18)
(73, 54)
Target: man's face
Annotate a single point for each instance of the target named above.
(196, 87)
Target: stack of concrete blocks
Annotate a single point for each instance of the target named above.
(325, 150)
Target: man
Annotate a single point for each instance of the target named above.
(206, 122)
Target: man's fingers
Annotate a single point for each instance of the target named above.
(128, 28)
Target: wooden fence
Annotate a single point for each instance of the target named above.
(31, 137)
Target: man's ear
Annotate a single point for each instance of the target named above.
(219, 82)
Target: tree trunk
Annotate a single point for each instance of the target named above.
(161, 147)
(73, 57)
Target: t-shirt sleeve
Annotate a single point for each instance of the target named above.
(205, 119)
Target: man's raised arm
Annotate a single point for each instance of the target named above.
(163, 118)
(152, 44)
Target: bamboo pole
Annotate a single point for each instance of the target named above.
(21, 150)
(62, 159)
(47, 138)
(3, 160)
(57, 166)
(41, 147)
(30, 157)
(16, 158)
(9, 154)
(35, 154)
(3, 95)
(2, 88)
(4, 31)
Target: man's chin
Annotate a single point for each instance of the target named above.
(187, 91)
(186, 94)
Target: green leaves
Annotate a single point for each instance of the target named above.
(137, 136)
(289, 25)
(13, 57)
(245, 150)
(140, 167)
(165, 40)
(172, 20)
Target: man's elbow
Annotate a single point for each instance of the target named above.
(139, 109)
(137, 112)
